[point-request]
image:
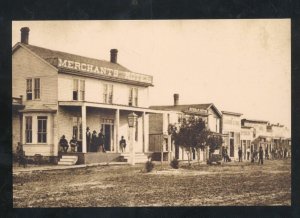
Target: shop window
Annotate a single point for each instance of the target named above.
(28, 129)
(42, 129)
(29, 89)
(77, 128)
(108, 94)
(37, 88)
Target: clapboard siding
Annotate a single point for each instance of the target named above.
(26, 65)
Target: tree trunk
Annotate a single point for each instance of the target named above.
(198, 155)
(188, 155)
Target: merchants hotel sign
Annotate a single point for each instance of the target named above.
(104, 71)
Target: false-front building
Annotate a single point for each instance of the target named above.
(175, 115)
(57, 93)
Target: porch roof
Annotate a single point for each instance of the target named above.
(110, 106)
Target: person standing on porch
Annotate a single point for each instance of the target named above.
(248, 153)
(122, 144)
(101, 141)
(260, 156)
(88, 139)
(94, 142)
(240, 153)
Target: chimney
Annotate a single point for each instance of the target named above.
(113, 55)
(176, 99)
(24, 35)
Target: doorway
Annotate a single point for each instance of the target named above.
(108, 136)
(231, 148)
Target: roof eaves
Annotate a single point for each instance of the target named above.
(218, 112)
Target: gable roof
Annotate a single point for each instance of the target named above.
(185, 108)
(52, 56)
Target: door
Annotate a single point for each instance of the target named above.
(108, 136)
(231, 148)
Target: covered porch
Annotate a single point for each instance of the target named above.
(75, 117)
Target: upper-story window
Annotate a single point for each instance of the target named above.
(33, 91)
(37, 88)
(78, 89)
(108, 93)
(82, 90)
(133, 96)
(29, 89)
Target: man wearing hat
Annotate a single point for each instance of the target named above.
(94, 141)
(64, 143)
(88, 139)
(73, 143)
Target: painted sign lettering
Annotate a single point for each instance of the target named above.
(104, 71)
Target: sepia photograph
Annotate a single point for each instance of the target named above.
(151, 113)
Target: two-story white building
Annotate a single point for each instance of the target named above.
(56, 93)
(231, 128)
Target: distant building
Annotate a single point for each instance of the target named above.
(268, 136)
(231, 129)
(158, 123)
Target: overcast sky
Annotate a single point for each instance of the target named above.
(239, 65)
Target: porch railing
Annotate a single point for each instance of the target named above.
(17, 101)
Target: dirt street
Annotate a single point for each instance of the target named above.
(228, 184)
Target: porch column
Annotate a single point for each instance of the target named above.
(144, 132)
(83, 120)
(117, 124)
(55, 134)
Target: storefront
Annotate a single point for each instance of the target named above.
(231, 128)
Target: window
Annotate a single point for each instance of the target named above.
(77, 128)
(108, 93)
(130, 96)
(29, 89)
(28, 129)
(75, 89)
(42, 129)
(133, 97)
(37, 88)
(82, 90)
(180, 118)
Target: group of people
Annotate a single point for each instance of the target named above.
(225, 156)
(94, 142)
(65, 145)
(257, 155)
(280, 153)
